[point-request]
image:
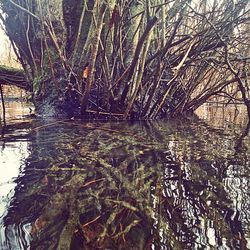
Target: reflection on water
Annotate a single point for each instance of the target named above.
(177, 184)
(17, 110)
(221, 115)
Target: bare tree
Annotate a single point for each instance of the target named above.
(130, 59)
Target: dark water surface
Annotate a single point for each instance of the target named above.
(179, 184)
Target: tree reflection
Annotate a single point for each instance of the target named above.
(239, 142)
(138, 185)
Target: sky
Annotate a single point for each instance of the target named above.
(4, 45)
(5, 50)
(3, 42)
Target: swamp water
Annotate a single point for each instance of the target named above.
(179, 184)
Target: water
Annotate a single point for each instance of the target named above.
(179, 184)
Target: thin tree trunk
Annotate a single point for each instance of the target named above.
(92, 61)
(3, 105)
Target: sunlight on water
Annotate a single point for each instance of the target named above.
(12, 157)
(12, 160)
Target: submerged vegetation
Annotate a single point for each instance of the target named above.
(130, 58)
(130, 186)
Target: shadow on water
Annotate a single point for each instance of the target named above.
(177, 184)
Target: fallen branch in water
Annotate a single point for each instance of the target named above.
(47, 125)
(103, 113)
(99, 128)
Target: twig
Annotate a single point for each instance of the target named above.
(92, 221)
(103, 113)
(25, 10)
(92, 182)
(47, 125)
